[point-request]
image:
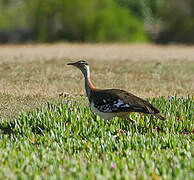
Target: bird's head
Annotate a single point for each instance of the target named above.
(82, 65)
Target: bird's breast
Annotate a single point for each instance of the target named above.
(104, 115)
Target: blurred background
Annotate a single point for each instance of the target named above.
(158, 21)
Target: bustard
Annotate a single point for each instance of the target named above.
(108, 103)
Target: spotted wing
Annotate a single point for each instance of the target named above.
(108, 101)
(115, 100)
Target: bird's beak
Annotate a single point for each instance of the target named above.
(71, 64)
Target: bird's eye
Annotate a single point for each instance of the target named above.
(83, 62)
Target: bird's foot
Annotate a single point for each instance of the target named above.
(134, 123)
(119, 132)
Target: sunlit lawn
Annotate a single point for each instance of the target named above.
(44, 136)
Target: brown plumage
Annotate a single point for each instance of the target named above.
(136, 104)
(108, 103)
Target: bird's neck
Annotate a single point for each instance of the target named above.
(88, 84)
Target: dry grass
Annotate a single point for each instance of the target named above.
(107, 52)
(32, 74)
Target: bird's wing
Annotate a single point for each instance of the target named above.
(116, 100)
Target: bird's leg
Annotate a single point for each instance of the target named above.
(106, 120)
(134, 123)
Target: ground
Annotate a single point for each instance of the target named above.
(46, 136)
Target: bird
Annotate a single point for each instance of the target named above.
(109, 103)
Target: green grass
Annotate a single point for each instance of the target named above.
(67, 141)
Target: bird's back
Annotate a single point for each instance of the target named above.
(116, 100)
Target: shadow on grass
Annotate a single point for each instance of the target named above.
(12, 128)
(7, 128)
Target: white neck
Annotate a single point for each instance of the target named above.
(86, 72)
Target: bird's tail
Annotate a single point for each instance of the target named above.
(155, 112)
(159, 116)
(150, 109)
